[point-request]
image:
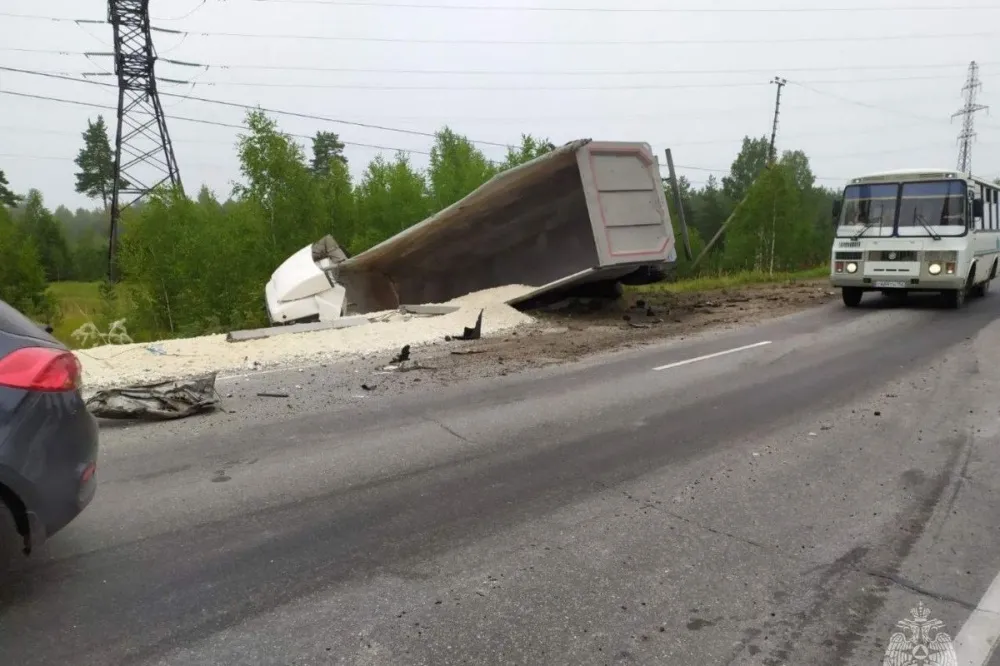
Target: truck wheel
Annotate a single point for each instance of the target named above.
(852, 296)
(981, 289)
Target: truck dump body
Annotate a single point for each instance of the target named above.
(585, 211)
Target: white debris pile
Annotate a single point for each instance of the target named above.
(115, 365)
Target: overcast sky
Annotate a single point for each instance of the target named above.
(867, 90)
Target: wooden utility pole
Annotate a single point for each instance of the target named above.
(679, 204)
(780, 82)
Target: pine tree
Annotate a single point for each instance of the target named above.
(96, 177)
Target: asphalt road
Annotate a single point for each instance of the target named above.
(787, 503)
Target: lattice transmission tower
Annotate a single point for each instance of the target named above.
(968, 111)
(144, 155)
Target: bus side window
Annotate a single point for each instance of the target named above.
(981, 220)
(995, 209)
(988, 209)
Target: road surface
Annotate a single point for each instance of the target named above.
(776, 495)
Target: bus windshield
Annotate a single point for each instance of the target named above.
(938, 204)
(871, 209)
(870, 205)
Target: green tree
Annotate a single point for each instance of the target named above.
(7, 196)
(749, 164)
(337, 193)
(529, 149)
(48, 236)
(457, 168)
(22, 277)
(96, 177)
(279, 181)
(770, 232)
(798, 164)
(391, 197)
(327, 149)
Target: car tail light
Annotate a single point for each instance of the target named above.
(40, 369)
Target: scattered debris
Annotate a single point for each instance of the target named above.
(476, 332)
(368, 387)
(463, 352)
(172, 399)
(404, 355)
(265, 394)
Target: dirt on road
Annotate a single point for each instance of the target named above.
(577, 328)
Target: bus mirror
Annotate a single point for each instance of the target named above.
(837, 205)
(977, 208)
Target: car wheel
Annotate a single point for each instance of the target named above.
(852, 296)
(11, 542)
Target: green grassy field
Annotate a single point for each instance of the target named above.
(79, 302)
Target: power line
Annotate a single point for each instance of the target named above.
(463, 87)
(243, 127)
(247, 107)
(729, 141)
(202, 121)
(523, 72)
(586, 42)
(623, 42)
(633, 10)
(536, 88)
(416, 132)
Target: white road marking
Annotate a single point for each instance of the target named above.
(978, 638)
(715, 355)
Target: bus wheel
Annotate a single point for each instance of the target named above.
(954, 298)
(852, 296)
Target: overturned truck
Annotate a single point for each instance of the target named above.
(589, 211)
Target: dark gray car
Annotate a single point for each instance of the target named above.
(48, 439)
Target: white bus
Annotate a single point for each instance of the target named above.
(933, 230)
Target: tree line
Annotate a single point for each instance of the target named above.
(193, 265)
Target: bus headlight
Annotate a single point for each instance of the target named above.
(934, 269)
(852, 267)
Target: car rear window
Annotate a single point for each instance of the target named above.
(12, 321)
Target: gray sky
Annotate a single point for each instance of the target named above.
(868, 100)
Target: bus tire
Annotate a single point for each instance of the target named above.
(852, 296)
(954, 298)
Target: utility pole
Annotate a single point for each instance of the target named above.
(144, 155)
(678, 203)
(780, 82)
(968, 111)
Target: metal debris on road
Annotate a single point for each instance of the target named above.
(162, 401)
(404, 355)
(266, 394)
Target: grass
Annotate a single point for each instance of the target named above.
(728, 280)
(78, 302)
